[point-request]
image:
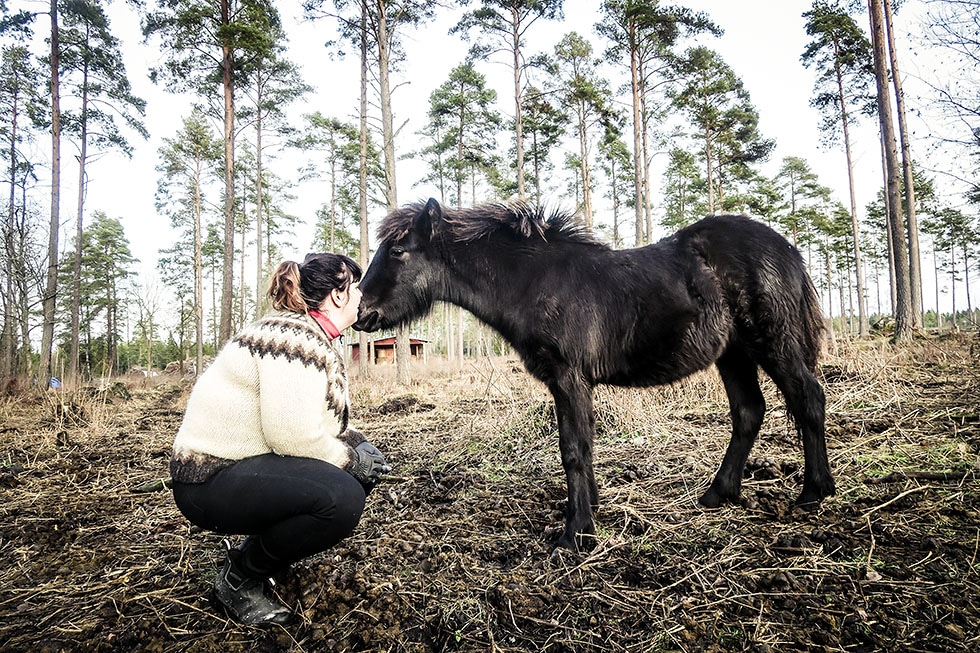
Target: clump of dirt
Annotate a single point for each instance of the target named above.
(403, 404)
(455, 550)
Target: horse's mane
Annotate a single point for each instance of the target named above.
(470, 224)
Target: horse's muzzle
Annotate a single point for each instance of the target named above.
(368, 321)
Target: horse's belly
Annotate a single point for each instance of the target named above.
(656, 374)
(661, 365)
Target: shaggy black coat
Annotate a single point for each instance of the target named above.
(726, 290)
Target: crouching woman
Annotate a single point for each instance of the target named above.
(265, 449)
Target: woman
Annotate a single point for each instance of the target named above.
(265, 448)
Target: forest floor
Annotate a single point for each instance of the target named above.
(455, 550)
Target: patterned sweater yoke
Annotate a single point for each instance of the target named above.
(279, 386)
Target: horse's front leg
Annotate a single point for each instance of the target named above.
(576, 429)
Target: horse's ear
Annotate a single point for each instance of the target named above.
(425, 220)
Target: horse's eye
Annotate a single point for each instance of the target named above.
(397, 252)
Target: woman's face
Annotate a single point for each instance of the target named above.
(341, 306)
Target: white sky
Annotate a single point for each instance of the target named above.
(762, 43)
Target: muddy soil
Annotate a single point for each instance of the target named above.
(455, 550)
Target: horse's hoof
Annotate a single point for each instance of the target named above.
(804, 510)
(712, 499)
(808, 501)
(566, 543)
(576, 542)
(709, 502)
(802, 505)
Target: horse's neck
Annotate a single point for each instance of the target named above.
(491, 290)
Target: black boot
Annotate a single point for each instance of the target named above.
(244, 598)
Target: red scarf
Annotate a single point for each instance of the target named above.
(325, 323)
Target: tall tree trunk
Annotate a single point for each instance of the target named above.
(364, 359)
(792, 212)
(241, 266)
(228, 268)
(615, 202)
(709, 173)
(76, 282)
(402, 342)
(198, 272)
(645, 164)
(832, 332)
(51, 282)
(911, 222)
(903, 309)
(518, 118)
(259, 267)
(892, 283)
(583, 143)
(459, 158)
(952, 282)
(966, 282)
(637, 136)
(863, 326)
(111, 365)
(9, 352)
(935, 275)
(333, 198)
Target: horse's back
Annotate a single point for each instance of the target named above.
(764, 281)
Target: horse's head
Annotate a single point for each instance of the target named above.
(397, 287)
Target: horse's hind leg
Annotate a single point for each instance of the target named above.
(740, 375)
(806, 403)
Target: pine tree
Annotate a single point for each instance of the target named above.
(725, 121)
(94, 73)
(187, 164)
(462, 107)
(204, 38)
(842, 55)
(504, 24)
(106, 269)
(903, 308)
(643, 35)
(20, 105)
(587, 97)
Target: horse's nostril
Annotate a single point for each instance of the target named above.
(366, 320)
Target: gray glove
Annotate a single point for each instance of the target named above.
(369, 463)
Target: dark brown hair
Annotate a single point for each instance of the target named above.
(303, 286)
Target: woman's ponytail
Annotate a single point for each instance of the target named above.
(284, 288)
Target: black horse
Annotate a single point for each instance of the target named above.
(726, 290)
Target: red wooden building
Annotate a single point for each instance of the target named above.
(384, 350)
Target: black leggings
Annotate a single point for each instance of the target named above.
(293, 508)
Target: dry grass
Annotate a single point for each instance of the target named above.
(454, 550)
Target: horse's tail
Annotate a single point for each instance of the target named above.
(813, 325)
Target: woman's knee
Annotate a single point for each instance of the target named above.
(348, 500)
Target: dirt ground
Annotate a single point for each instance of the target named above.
(455, 550)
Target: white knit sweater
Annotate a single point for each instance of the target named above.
(280, 387)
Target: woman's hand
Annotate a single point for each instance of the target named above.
(369, 463)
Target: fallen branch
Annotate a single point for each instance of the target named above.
(870, 512)
(943, 477)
